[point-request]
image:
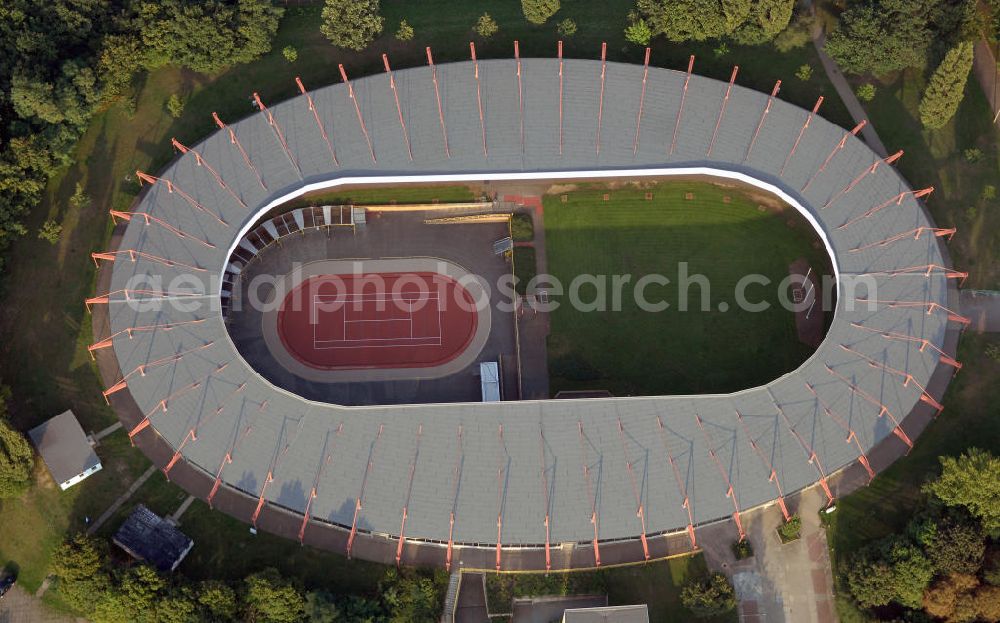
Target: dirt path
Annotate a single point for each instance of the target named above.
(21, 607)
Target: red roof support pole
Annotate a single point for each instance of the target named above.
(133, 255)
(437, 96)
(109, 341)
(930, 307)
(857, 180)
(361, 494)
(457, 477)
(177, 454)
(141, 426)
(590, 494)
(722, 110)
(327, 461)
(851, 435)
(914, 233)
(924, 343)
(545, 495)
(520, 91)
(926, 270)
(763, 116)
(500, 488)
(479, 96)
(235, 141)
(319, 124)
(639, 512)
(802, 132)
(642, 100)
(357, 110)
(600, 107)
(686, 505)
(897, 429)
(271, 121)
(898, 200)
(772, 474)
(730, 491)
(399, 109)
(409, 491)
(559, 54)
(172, 188)
(906, 376)
(201, 163)
(149, 218)
(813, 458)
(226, 460)
(680, 109)
(836, 149)
(275, 463)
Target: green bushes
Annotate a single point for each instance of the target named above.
(791, 530)
(946, 87)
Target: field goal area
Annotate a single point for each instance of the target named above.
(383, 320)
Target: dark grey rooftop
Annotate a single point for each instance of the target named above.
(64, 447)
(799, 432)
(151, 538)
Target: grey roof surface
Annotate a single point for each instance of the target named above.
(147, 536)
(290, 436)
(63, 446)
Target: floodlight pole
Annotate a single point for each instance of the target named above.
(520, 91)
(639, 512)
(399, 109)
(479, 96)
(686, 505)
(457, 478)
(559, 54)
(437, 96)
(642, 100)
(600, 107)
(851, 435)
(868, 171)
(730, 490)
(763, 116)
(271, 121)
(590, 494)
(409, 492)
(357, 110)
(680, 109)
(722, 110)
(898, 200)
(836, 149)
(772, 474)
(201, 163)
(543, 472)
(173, 188)
(802, 132)
(361, 494)
(319, 124)
(235, 141)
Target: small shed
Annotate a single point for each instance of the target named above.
(607, 614)
(65, 449)
(147, 536)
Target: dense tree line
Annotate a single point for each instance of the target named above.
(90, 583)
(16, 455)
(946, 563)
(60, 60)
(744, 21)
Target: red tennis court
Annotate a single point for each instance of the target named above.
(383, 320)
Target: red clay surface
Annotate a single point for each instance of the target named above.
(384, 320)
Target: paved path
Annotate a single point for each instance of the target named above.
(985, 69)
(107, 431)
(790, 583)
(94, 527)
(982, 307)
(846, 93)
(471, 600)
(21, 607)
(175, 518)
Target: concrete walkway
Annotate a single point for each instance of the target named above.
(982, 307)
(19, 606)
(790, 582)
(94, 527)
(846, 93)
(107, 431)
(175, 517)
(471, 600)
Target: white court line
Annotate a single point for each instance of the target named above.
(346, 343)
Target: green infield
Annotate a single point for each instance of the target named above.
(723, 232)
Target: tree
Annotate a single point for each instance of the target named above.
(638, 31)
(140, 589)
(694, 20)
(539, 11)
(797, 35)
(804, 72)
(404, 32)
(879, 36)
(709, 597)
(218, 599)
(351, 24)
(78, 567)
(486, 26)
(943, 597)
(209, 35)
(16, 461)
(866, 92)
(767, 19)
(410, 598)
(50, 231)
(954, 546)
(891, 570)
(321, 608)
(175, 106)
(566, 28)
(971, 481)
(272, 599)
(290, 53)
(946, 87)
(987, 600)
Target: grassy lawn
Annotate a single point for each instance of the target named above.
(524, 267)
(419, 194)
(971, 416)
(44, 329)
(722, 233)
(656, 584)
